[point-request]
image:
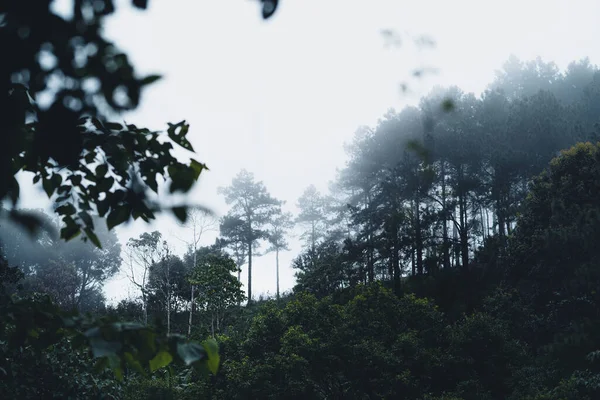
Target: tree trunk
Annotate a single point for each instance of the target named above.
(313, 237)
(192, 296)
(418, 238)
(483, 231)
(249, 273)
(191, 311)
(446, 241)
(277, 270)
(456, 250)
(464, 232)
(218, 324)
(145, 301)
(370, 262)
(500, 215)
(239, 271)
(168, 315)
(396, 260)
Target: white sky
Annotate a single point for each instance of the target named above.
(280, 98)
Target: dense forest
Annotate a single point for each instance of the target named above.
(454, 256)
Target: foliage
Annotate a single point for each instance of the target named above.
(252, 209)
(86, 164)
(218, 289)
(35, 326)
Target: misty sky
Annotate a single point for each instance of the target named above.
(280, 98)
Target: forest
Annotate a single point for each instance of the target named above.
(453, 257)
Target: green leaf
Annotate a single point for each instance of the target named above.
(180, 213)
(48, 186)
(141, 4)
(212, 350)
(69, 232)
(177, 133)
(190, 352)
(101, 170)
(113, 126)
(105, 184)
(115, 365)
(162, 359)
(147, 80)
(103, 348)
(93, 238)
(135, 364)
(116, 217)
(268, 8)
(101, 365)
(66, 209)
(86, 218)
(197, 167)
(76, 179)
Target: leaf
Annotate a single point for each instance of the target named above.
(135, 364)
(115, 365)
(190, 352)
(86, 218)
(141, 4)
(31, 222)
(92, 236)
(268, 8)
(69, 232)
(66, 209)
(182, 178)
(101, 365)
(103, 348)
(212, 350)
(197, 167)
(147, 80)
(117, 217)
(48, 186)
(101, 170)
(105, 184)
(180, 213)
(177, 133)
(162, 359)
(114, 126)
(76, 179)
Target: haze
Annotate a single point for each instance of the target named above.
(280, 98)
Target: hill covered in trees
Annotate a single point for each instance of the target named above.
(455, 257)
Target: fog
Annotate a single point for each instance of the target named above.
(280, 98)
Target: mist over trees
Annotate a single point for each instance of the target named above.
(459, 231)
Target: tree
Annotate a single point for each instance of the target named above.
(144, 252)
(86, 164)
(312, 215)
(93, 265)
(198, 222)
(232, 238)
(280, 224)
(219, 289)
(166, 281)
(254, 208)
(72, 272)
(320, 271)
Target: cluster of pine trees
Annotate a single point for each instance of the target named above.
(429, 185)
